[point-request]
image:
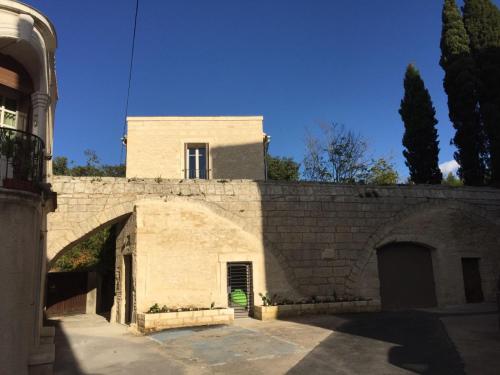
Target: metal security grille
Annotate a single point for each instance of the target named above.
(239, 288)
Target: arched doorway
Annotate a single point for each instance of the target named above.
(406, 276)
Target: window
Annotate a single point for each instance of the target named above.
(197, 161)
(8, 112)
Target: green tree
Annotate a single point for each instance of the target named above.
(94, 253)
(338, 155)
(382, 172)
(282, 169)
(92, 167)
(460, 85)
(60, 166)
(482, 22)
(420, 137)
(452, 180)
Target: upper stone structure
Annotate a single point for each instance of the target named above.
(196, 147)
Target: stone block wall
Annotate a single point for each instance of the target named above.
(323, 236)
(156, 146)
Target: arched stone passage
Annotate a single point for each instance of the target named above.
(63, 235)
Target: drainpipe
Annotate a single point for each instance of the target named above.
(267, 140)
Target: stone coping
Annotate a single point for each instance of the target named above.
(283, 311)
(64, 178)
(147, 323)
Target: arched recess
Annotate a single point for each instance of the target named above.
(60, 240)
(413, 225)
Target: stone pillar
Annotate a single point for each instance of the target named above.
(40, 103)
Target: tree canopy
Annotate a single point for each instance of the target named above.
(338, 155)
(420, 136)
(282, 168)
(482, 22)
(93, 167)
(460, 84)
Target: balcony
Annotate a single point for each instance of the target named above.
(21, 160)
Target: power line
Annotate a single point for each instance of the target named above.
(129, 81)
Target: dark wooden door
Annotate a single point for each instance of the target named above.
(66, 293)
(127, 259)
(472, 280)
(406, 277)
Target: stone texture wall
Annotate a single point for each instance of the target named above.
(323, 236)
(21, 253)
(156, 146)
(126, 244)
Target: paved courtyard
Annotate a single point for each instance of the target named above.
(383, 343)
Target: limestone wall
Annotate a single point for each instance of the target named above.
(156, 146)
(21, 253)
(323, 236)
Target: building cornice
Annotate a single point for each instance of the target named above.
(42, 23)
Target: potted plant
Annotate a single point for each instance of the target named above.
(19, 151)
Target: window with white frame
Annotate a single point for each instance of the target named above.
(197, 161)
(8, 112)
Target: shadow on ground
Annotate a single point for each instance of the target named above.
(66, 362)
(414, 342)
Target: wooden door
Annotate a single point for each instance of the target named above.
(66, 293)
(129, 303)
(472, 280)
(406, 277)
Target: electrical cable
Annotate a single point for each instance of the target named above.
(129, 82)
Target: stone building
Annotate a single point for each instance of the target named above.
(196, 147)
(181, 241)
(197, 224)
(28, 95)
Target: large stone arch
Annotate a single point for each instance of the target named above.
(60, 237)
(364, 275)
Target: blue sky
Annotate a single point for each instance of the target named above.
(297, 62)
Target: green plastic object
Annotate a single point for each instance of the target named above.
(238, 297)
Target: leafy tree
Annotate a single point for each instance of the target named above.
(420, 137)
(282, 168)
(452, 180)
(339, 155)
(460, 84)
(482, 22)
(382, 172)
(93, 253)
(92, 167)
(60, 166)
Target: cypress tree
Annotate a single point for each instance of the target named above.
(460, 86)
(482, 22)
(420, 137)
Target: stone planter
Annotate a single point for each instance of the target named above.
(284, 311)
(156, 322)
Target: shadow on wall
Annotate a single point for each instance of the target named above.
(244, 161)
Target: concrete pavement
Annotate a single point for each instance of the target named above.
(382, 343)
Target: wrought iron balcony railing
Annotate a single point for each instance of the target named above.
(21, 160)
